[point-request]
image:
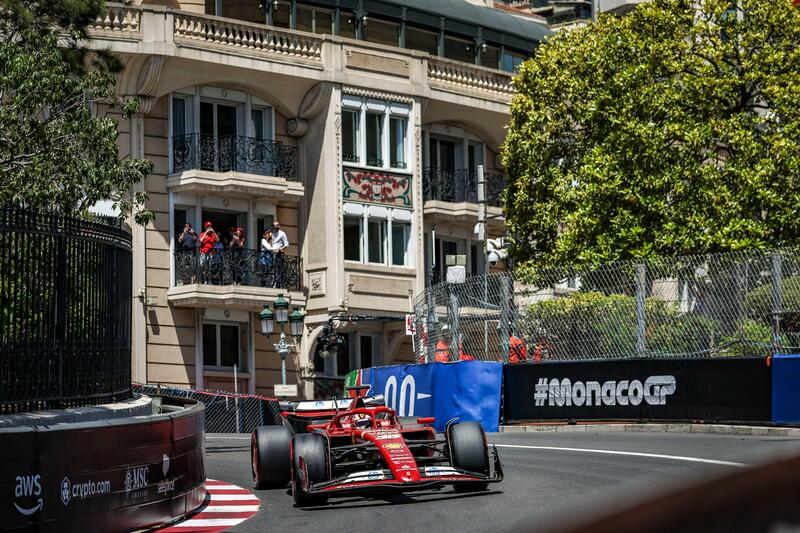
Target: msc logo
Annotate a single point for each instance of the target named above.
(136, 481)
(26, 487)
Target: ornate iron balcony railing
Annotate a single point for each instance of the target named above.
(237, 266)
(226, 153)
(460, 185)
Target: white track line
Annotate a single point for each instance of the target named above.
(634, 454)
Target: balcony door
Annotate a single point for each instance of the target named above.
(445, 153)
(444, 247)
(218, 136)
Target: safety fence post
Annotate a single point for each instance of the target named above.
(641, 290)
(777, 301)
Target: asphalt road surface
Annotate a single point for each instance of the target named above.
(550, 478)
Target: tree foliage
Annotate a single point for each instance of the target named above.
(671, 131)
(55, 152)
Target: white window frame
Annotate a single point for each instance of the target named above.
(390, 215)
(387, 110)
(241, 356)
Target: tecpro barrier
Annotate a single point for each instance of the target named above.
(668, 389)
(110, 475)
(467, 390)
(786, 389)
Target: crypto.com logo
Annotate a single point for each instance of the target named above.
(559, 393)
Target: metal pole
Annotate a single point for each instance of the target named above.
(482, 239)
(777, 301)
(431, 318)
(505, 314)
(236, 397)
(454, 326)
(641, 279)
(283, 350)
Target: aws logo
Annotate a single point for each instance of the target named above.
(28, 487)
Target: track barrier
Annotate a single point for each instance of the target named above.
(225, 412)
(640, 389)
(109, 475)
(467, 390)
(786, 389)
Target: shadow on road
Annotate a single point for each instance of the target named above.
(365, 502)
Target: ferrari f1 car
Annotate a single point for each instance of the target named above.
(328, 448)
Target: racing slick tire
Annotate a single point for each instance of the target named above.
(469, 451)
(313, 448)
(270, 456)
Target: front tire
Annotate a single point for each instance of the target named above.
(270, 456)
(313, 448)
(469, 451)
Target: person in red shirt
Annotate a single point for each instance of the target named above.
(462, 355)
(207, 241)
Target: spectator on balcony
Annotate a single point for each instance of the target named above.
(208, 241)
(184, 254)
(266, 259)
(280, 242)
(236, 255)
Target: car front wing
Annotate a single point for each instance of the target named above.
(452, 477)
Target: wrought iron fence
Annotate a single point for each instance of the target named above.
(225, 412)
(65, 311)
(459, 185)
(733, 304)
(240, 266)
(225, 153)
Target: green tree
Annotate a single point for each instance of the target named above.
(671, 131)
(55, 153)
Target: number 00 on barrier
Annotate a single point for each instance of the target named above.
(408, 389)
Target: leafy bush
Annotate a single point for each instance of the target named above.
(752, 338)
(685, 335)
(758, 304)
(588, 323)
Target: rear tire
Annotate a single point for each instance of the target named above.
(469, 451)
(313, 448)
(270, 456)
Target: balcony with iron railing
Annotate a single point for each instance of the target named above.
(234, 164)
(460, 185)
(233, 277)
(234, 153)
(452, 194)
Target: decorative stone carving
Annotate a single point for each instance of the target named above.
(297, 127)
(313, 103)
(316, 283)
(149, 75)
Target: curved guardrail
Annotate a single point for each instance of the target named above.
(110, 475)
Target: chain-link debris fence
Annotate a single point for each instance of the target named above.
(225, 412)
(717, 305)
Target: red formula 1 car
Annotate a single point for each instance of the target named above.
(333, 447)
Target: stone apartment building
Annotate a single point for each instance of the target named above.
(358, 124)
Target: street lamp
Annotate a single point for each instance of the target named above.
(281, 314)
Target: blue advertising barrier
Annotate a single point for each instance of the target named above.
(786, 389)
(467, 390)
